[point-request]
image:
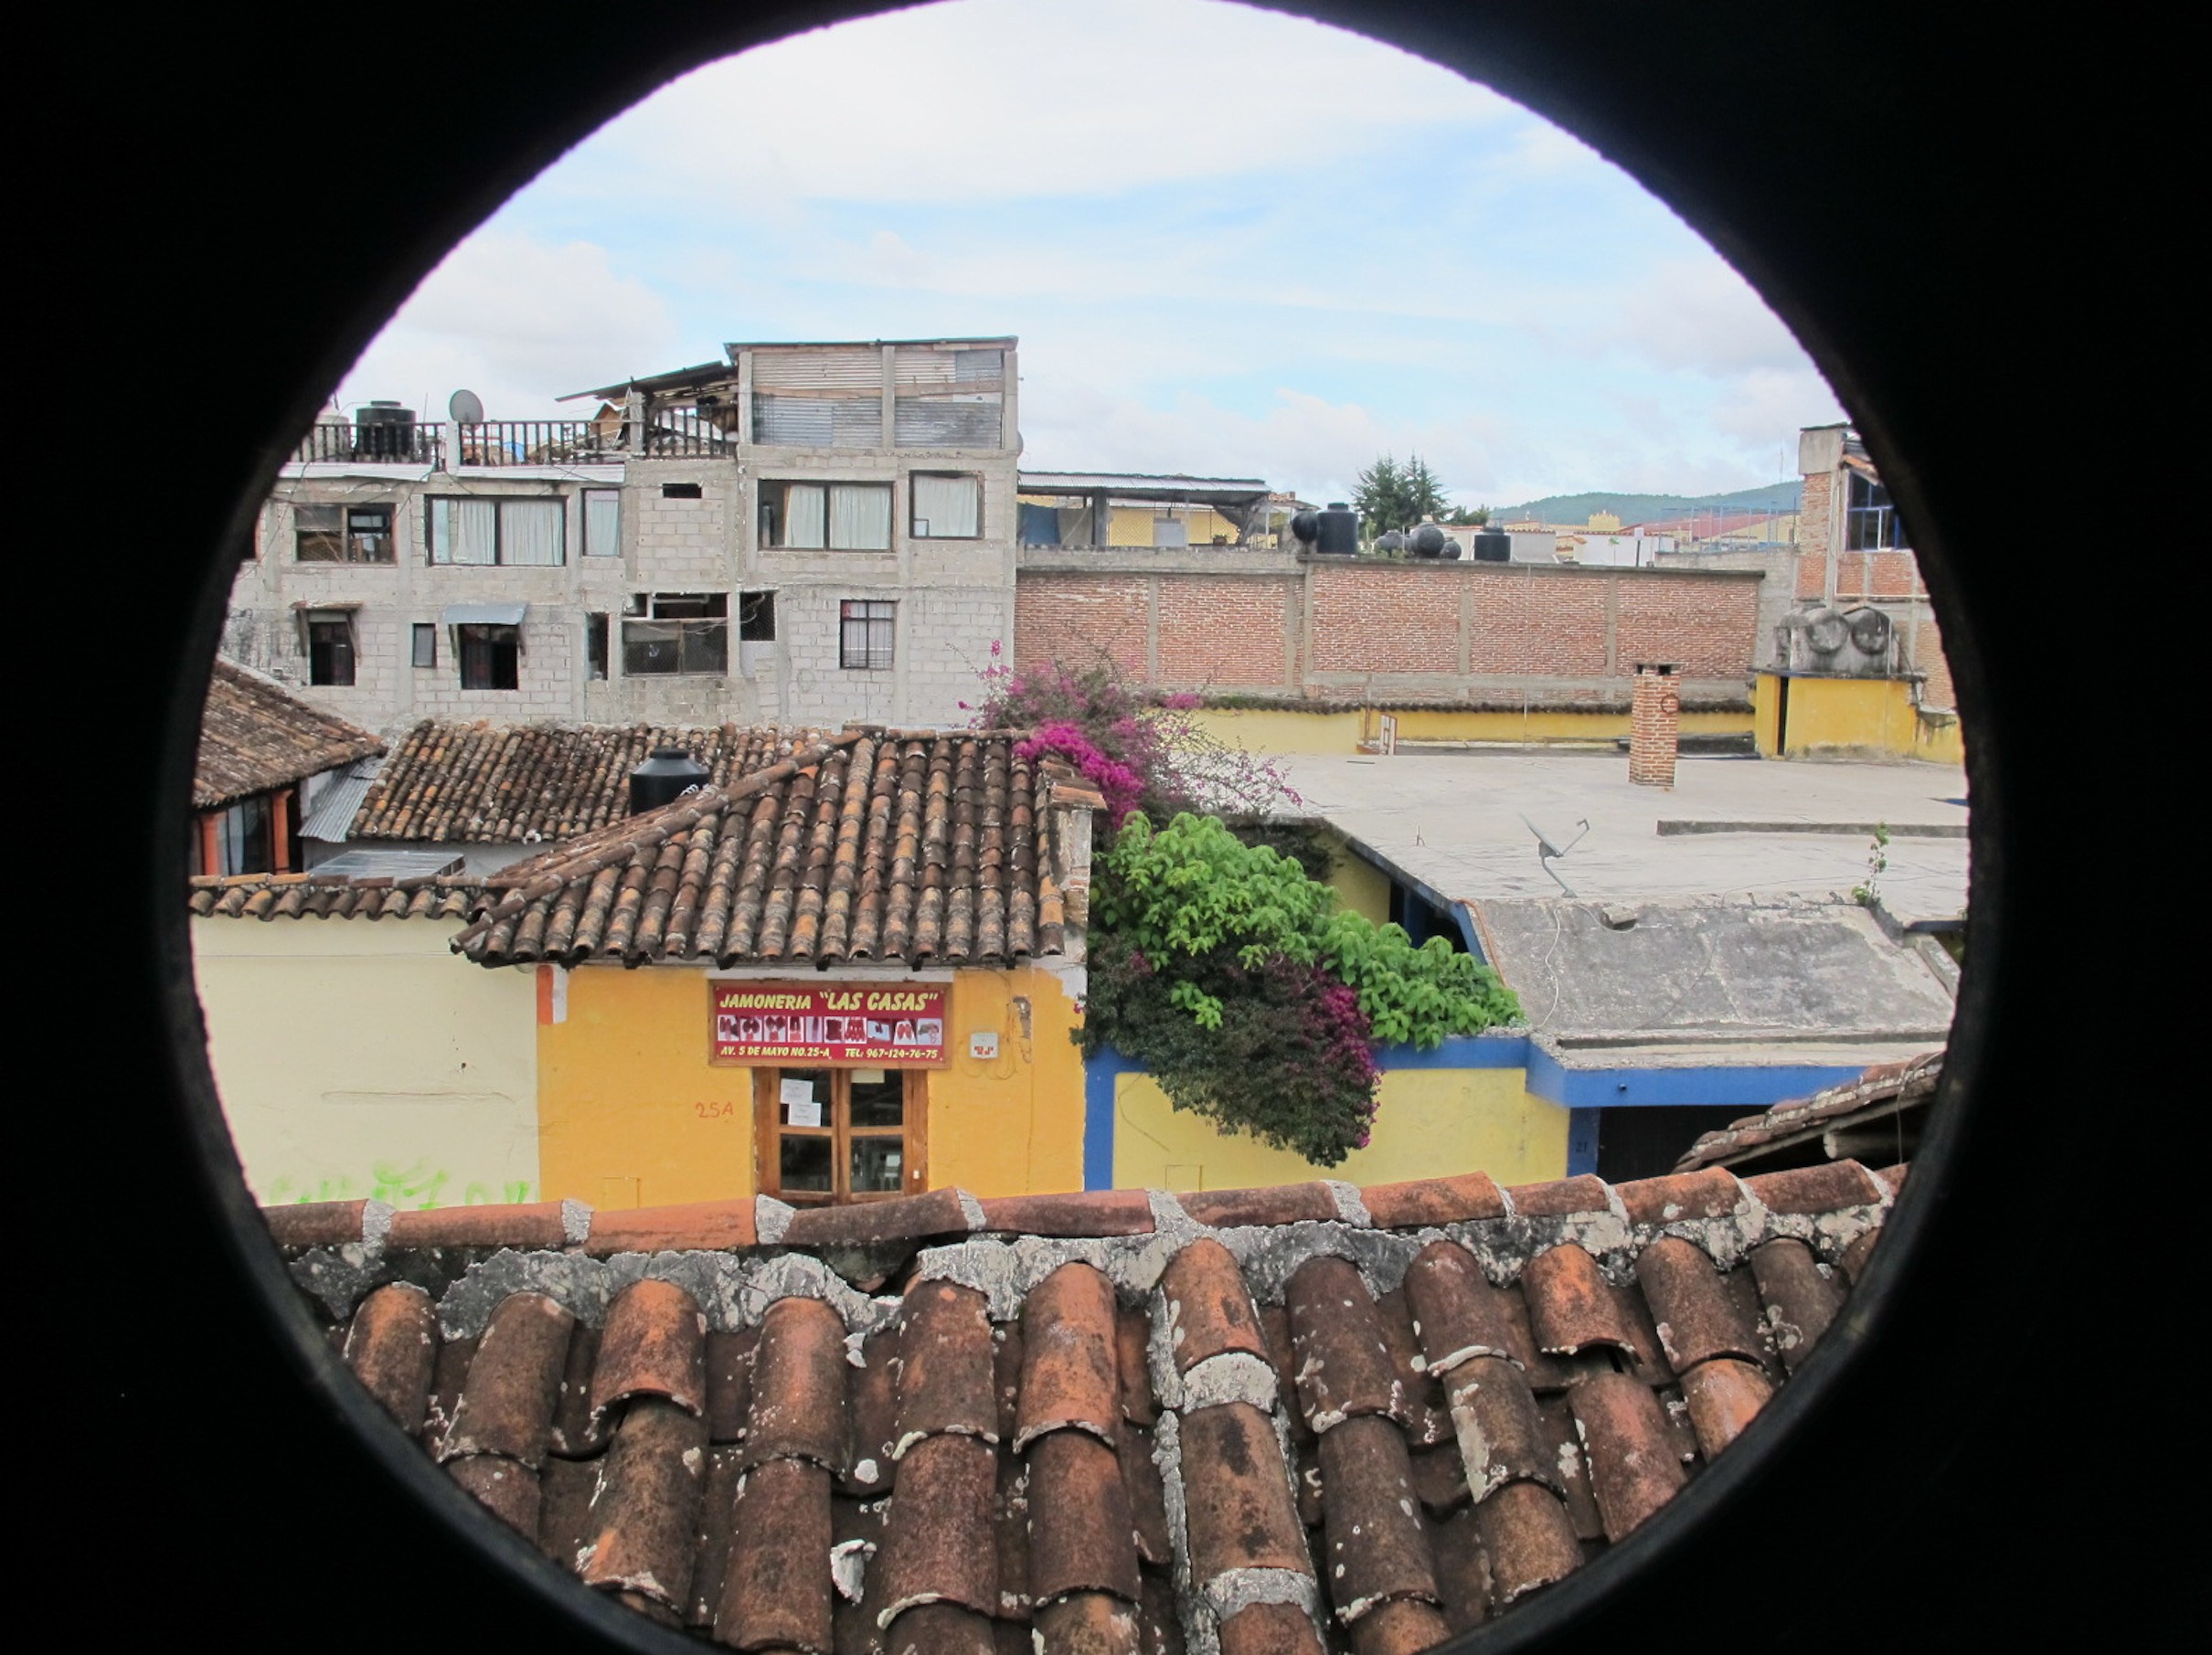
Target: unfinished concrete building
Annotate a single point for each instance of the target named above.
(800, 534)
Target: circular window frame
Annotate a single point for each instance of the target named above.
(1513, 49)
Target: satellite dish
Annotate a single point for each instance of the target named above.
(466, 408)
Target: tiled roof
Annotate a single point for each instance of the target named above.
(516, 784)
(1262, 1421)
(921, 847)
(1886, 1087)
(304, 895)
(253, 738)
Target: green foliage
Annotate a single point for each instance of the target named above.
(1467, 517)
(1867, 892)
(1231, 975)
(1394, 497)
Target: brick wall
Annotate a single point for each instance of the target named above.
(1524, 621)
(1225, 633)
(1654, 723)
(1381, 618)
(1074, 619)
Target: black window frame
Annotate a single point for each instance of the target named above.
(913, 518)
(350, 533)
(774, 514)
(696, 624)
(489, 652)
(1871, 521)
(871, 635)
(424, 644)
(333, 648)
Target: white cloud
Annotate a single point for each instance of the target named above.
(519, 321)
(1699, 314)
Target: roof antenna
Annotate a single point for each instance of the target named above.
(1545, 850)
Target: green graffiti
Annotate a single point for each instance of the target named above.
(415, 1186)
(418, 1184)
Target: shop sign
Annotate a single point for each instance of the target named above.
(802, 1023)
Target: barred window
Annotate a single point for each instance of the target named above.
(867, 630)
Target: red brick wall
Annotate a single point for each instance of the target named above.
(1385, 619)
(1654, 726)
(1073, 619)
(1527, 622)
(1707, 627)
(1220, 633)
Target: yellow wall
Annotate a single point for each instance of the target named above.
(1132, 525)
(634, 1114)
(1853, 718)
(1282, 730)
(362, 1058)
(1361, 888)
(1432, 1122)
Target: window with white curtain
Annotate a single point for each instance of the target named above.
(947, 507)
(831, 517)
(602, 523)
(527, 531)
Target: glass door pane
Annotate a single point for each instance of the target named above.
(878, 1098)
(878, 1164)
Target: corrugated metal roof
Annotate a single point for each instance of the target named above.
(340, 802)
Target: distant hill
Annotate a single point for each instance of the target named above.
(1649, 508)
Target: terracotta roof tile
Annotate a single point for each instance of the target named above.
(905, 1218)
(945, 1381)
(577, 1432)
(1586, 1194)
(1070, 1374)
(1089, 1623)
(1572, 1306)
(1462, 1467)
(1086, 1213)
(1403, 1626)
(537, 1225)
(1526, 1539)
(1282, 1203)
(506, 1486)
(1237, 1494)
(1082, 1535)
(1209, 1306)
(644, 1516)
(1882, 1088)
(706, 1225)
(797, 1407)
(1501, 1436)
(317, 1223)
(925, 847)
(1632, 1467)
(1434, 1201)
(776, 1592)
(1723, 1396)
(1711, 1193)
(1336, 1338)
(1853, 1263)
(1818, 1189)
(254, 737)
(729, 1362)
(655, 1345)
(514, 1380)
(1269, 1628)
(392, 1347)
(938, 1543)
(1376, 1550)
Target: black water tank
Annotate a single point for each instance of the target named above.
(1427, 541)
(1453, 551)
(384, 430)
(1339, 530)
(1307, 526)
(1391, 541)
(664, 778)
(1493, 545)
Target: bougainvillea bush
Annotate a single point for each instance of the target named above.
(1141, 753)
(1250, 998)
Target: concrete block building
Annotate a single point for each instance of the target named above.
(800, 534)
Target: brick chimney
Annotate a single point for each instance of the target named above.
(1654, 717)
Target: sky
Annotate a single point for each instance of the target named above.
(1231, 243)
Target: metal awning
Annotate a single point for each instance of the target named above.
(484, 614)
(1165, 490)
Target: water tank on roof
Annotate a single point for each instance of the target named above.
(1493, 546)
(384, 430)
(1392, 541)
(1307, 526)
(664, 778)
(1427, 541)
(1339, 530)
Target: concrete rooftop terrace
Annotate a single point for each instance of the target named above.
(1452, 820)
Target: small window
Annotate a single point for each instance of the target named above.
(330, 647)
(527, 531)
(756, 617)
(342, 534)
(826, 517)
(679, 633)
(595, 646)
(833, 1136)
(946, 507)
(491, 657)
(1872, 524)
(680, 490)
(426, 643)
(866, 633)
(602, 523)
